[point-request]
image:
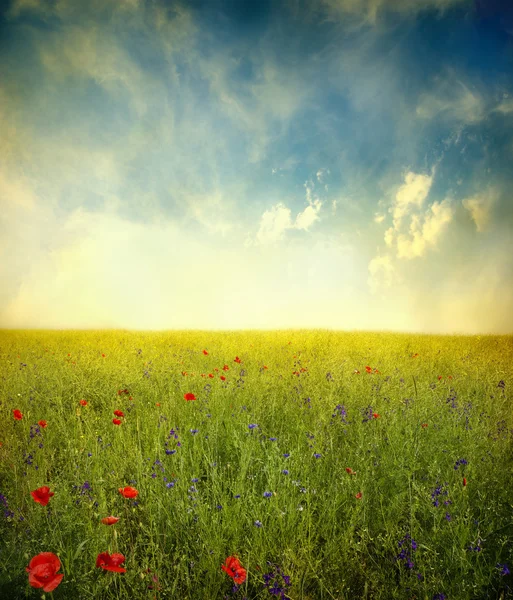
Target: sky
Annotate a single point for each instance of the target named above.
(334, 164)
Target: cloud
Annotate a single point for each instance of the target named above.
(369, 11)
(273, 224)
(378, 218)
(451, 100)
(505, 107)
(410, 195)
(480, 207)
(381, 273)
(425, 230)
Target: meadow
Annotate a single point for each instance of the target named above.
(311, 464)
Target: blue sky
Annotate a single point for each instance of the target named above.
(339, 164)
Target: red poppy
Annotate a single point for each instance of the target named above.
(184, 373)
(439, 377)
(42, 495)
(368, 369)
(350, 471)
(226, 368)
(17, 414)
(42, 423)
(415, 355)
(110, 562)
(237, 360)
(42, 571)
(119, 413)
(234, 569)
(216, 369)
(211, 375)
(189, 396)
(103, 355)
(375, 415)
(157, 403)
(464, 481)
(128, 492)
(116, 421)
(264, 367)
(358, 496)
(449, 376)
(205, 352)
(83, 403)
(222, 378)
(424, 425)
(110, 520)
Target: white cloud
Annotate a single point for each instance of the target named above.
(311, 214)
(273, 224)
(410, 195)
(321, 174)
(480, 207)
(425, 230)
(505, 107)
(378, 218)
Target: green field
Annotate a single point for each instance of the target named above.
(393, 483)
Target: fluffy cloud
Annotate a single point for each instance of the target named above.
(410, 195)
(451, 100)
(480, 207)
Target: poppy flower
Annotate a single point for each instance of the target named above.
(103, 355)
(17, 414)
(110, 562)
(119, 413)
(116, 421)
(211, 375)
(216, 369)
(368, 369)
(184, 373)
(83, 403)
(42, 423)
(464, 481)
(415, 355)
(424, 425)
(226, 368)
(350, 471)
(223, 378)
(234, 569)
(42, 495)
(358, 496)
(157, 403)
(128, 492)
(42, 571)
(237, 360)
(439, 377)
(189, 396)
(205, 352)
(110, 520)
(375, 415)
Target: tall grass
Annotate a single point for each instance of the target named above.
(402, 526)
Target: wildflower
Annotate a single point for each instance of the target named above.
(189, 396)
(116, 421)
(285, 472)
(258, 523)
(439, 597)
(368, 369)
(83, 403)
(424, 425)
(267, 494)
(211, 375)
(17, 414)
(237, 360)
(42, 571)
(252, 425)
(504, 569)
(205, 352)
(459, 462)
(272, 439)
(350, 471)
(234, 569)
(110, 562)
(356, 372)
(375, 415)
(119, 413)
(226, 368)
(110, 520)
(42, 423)
(128, 492)
(317, 455)
(103, 355)
(358, 496)
(464, 481)
(415, 355)
(222, 378)
(286, 455)
(42, 495)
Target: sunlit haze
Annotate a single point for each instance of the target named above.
(342, 164)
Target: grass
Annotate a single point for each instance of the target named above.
(400, 429)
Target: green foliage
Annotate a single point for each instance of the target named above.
(401, 430)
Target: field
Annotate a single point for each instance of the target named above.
(333, 465)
